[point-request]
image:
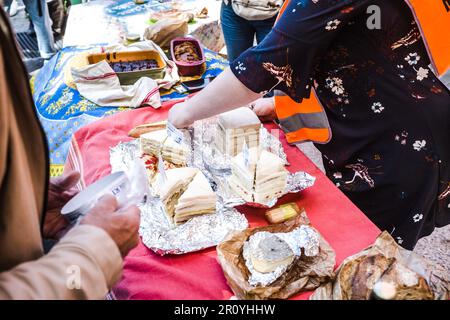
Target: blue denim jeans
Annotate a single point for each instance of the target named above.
(42, 25)
(239, 33)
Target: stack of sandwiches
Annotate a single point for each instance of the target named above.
(158, 142)
(236, 127)
(259, 178)
(185, 194)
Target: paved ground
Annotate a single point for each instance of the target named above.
(435, 247)
(27, 40)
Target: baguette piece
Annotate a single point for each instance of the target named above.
(359, 277)
(139, 130)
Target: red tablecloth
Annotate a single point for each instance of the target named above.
(198, 275)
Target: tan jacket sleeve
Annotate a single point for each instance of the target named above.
(83, 265)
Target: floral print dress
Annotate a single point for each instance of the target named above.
(388, 112)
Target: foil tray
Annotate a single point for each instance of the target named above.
(157, 232)
(217, 165)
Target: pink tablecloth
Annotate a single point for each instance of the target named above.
(198, 275)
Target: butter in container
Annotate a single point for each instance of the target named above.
(283, 212)
(130, 71)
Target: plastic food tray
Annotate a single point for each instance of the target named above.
(130, 77)
(185, 69)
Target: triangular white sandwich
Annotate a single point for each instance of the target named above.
(198, 199)
(263, 179)
(177, 182)
(157, 142)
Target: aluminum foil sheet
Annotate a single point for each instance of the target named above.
(303, 237)
(198, 233)
(122, 156)
(298, 181)
(215, 161)
(158, 233)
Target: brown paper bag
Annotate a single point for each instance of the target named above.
(305, 274)
(164, 31)
(357, 274)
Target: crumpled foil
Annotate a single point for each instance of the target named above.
(303, 237)
(158, 233)
(122, 155)
(215, 161)
(208, 230)
(198, 233)
(217, 164)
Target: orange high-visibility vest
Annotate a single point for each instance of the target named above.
(307, 121)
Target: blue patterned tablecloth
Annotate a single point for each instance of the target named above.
(62, 110)
(123, 8)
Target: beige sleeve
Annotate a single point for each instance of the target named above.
(83, 265)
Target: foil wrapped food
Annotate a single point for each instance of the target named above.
(310, 268)
(157, 232)
(203, 231)
(217, 164)
(303, 237)
(410, 276)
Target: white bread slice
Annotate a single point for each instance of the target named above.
(198, 196)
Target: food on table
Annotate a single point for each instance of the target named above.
(242, 180)
(385, 270)
(269, 253)
(283, 212)
(158, 142)
(260, 178)
(198, 199)
(171, 14)
(408, 284)
(203, 13)
(312, 265)
(186, 51)
(128, 66)
(359, 277)
(165, 30)
(132, 38)
(151, 165)
(384, 291)
(177, 181)
(139, 130)
(185, 194)
(235, 127)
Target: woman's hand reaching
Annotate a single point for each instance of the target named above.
(264, 109)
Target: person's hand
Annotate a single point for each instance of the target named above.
(264, 109)
(179, 115)
(122, 225)
(60, 191)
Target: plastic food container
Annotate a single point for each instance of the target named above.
(185, 69)
(130, 77)
(116, 184)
